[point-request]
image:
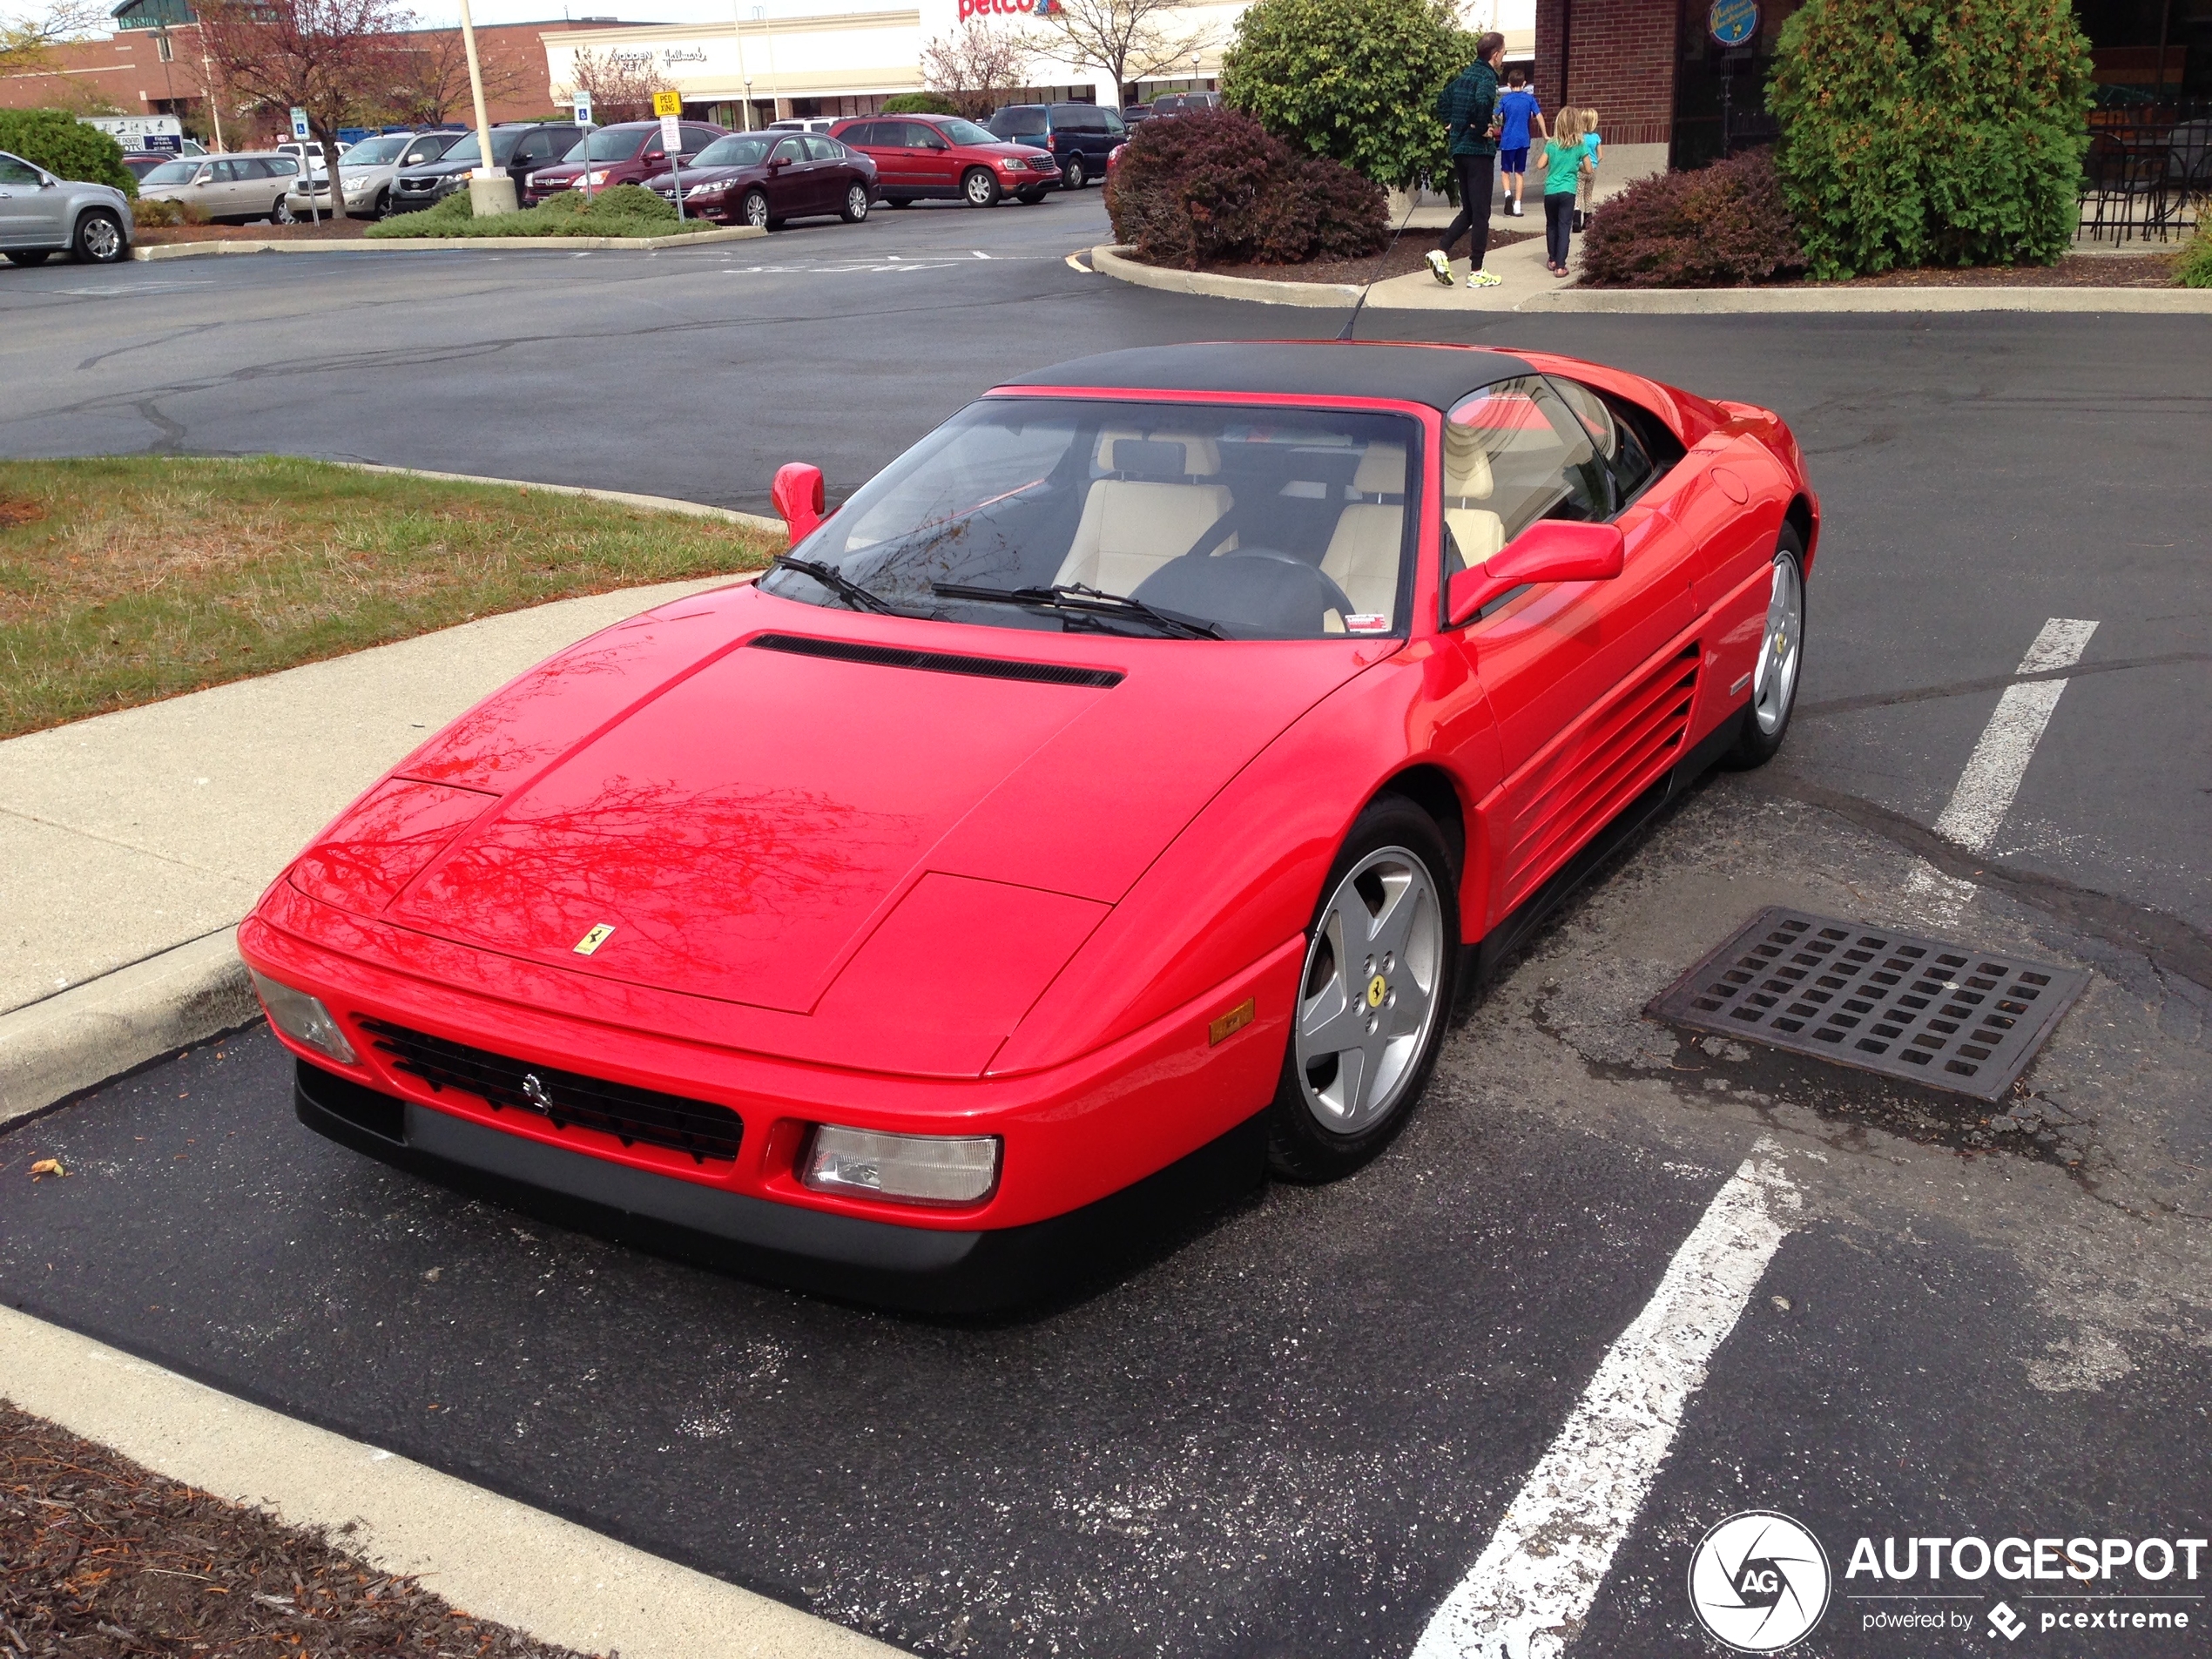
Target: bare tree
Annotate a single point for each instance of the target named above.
(621, 84)
(425, 79)
(978, 68)
(1129, 39)
(26, 43)
(326, 57)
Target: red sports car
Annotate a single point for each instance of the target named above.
(1118, 786)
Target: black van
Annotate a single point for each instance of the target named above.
(1080, 136)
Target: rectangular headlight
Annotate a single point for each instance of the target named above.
(304, 1019)
(911, 1168)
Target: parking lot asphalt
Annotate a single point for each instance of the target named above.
(1291, 1431)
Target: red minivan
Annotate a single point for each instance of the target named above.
(626, 154)
(948, 157)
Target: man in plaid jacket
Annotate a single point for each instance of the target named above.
(1468, 108)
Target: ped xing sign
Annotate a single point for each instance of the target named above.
(668, 104)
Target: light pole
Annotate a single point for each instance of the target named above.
(491, 192)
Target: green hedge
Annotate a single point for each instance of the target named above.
(1931, 132)
(620, 210)
(920, 104)
(63, 145)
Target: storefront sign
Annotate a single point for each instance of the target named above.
(1733, 22)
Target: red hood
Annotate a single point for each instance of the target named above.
(745, 818)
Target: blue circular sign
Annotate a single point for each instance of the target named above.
(1733, 22)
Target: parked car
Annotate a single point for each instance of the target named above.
(948, 157)
(1132, 113)
(309, 154)
(520, 147)
(765, 177)
(627, 153)
(1177, 103)
(41, 214)
(802, 123)
(367, 171)
(227, 190)
(1078, 135)
(139, 163)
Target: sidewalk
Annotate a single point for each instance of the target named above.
(135, 842)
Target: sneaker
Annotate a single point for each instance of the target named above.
(1440, 265)
(1484, 279)
(1516, 211)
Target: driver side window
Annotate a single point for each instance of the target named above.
(1514, 452)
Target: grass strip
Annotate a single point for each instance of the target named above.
(622, 210)
(127, 579)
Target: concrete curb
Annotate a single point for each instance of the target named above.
(1112, 261)
(619, 497)
(489, 1556)
(101, 1028)
(428, 244)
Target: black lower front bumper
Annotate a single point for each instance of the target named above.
(921, 1269)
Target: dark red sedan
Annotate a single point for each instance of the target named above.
(945, 157)
(763, 178)
(627, 154)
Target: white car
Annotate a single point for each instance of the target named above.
(226, 189)
(41, 214)
(367, 172)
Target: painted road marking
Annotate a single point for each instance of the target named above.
(501, 1560)
(1530, 1589)
(1986, 788)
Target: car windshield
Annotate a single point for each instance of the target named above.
(962, 132)
(608, 144)
(738, 150)
(1260, 522)
(377, 153)
(172, 172)
(1014, 123)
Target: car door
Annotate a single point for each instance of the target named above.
(539, 148)
(828, 172)
(257, 188)
(785, 182)
(887, 142)
(931, 154)
(23, 218)
(1590, 684)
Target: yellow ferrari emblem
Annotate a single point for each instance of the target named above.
(1378, 988)
(596, 937)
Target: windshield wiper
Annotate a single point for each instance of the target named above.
(838, 583)
(1088, 601)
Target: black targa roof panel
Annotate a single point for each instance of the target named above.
(1436, 375)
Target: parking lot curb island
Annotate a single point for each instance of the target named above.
(618, 497)
(424, 243)
(1114, 262)
(489, 1556)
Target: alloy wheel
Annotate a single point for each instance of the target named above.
(1073, 174)
(856, 202)
(756, 210)
(1774, 677)
(1369, 995)
(282, 213)
(101, 239)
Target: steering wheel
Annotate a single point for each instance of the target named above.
(1337, 597)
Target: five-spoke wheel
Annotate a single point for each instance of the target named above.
(1774, 676)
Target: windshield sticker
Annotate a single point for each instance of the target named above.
(1360, 622)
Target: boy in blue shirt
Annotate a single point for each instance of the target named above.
(1517, 108)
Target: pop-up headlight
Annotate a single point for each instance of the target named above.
(909, 1168)
(304, 1019)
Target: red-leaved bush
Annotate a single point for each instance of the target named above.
(1718, 227)
(1215, 187)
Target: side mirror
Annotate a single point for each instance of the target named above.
(797, 495)
(1552, 549)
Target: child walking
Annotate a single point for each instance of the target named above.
(1572, 142)
(1519, 113)
(1583, 203)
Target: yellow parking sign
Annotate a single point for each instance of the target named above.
(668, 104)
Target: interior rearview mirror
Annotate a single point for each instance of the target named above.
(798, 498)
(1552, 549)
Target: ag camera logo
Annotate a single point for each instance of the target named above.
(1758, 1581)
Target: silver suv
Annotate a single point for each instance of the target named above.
(367, 172)
(41, 215)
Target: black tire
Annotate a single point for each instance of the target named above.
(1029, 197)
(856, 204)
(1074, 176)
(282, 213)
(978, 188)
(1300, 1146)
(100, 238)
(382, 207)
(753, 210)
(1755, 743)
(898, 201)
(29, 255)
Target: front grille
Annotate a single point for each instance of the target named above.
(937, 661)
(563, 1098)
(1043, 163)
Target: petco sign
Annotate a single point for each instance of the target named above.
(972, 8)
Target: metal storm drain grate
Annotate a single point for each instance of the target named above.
(1942, 1013)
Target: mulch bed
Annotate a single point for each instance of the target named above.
(2072, 271)
(331, 230)
(100, 1557)
(1404, 256)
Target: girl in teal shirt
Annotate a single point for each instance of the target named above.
(1572, 144)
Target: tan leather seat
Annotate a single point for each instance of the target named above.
(1476, 530)
(1368, 542)
(1130, 527)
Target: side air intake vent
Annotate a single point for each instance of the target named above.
(936, 662)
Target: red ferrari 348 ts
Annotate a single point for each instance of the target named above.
(1116, 786)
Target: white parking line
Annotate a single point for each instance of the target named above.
(1985, 789)
(1530, 1589)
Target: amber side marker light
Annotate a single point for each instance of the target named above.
(304, 1019)
(1231, 1023)
(912, 1169)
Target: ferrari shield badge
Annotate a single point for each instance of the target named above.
(596, 937)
